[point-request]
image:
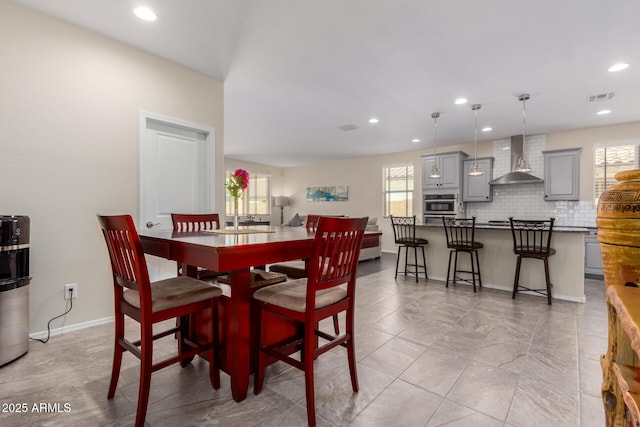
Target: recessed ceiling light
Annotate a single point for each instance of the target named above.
(618, 67)
(603, 112)
(461, 101)
(415, 140)
(144, 13)
(373, 120)
(487, 129)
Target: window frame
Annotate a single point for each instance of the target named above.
(635, 164)
(248, 199)
(408, 190)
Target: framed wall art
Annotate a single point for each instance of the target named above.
(336, 193)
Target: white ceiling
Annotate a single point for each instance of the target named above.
(296, 70)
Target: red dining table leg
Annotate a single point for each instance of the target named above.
(239, 336)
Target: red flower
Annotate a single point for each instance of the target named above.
(237, 183)
(244, 178)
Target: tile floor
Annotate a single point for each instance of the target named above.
(427, 356)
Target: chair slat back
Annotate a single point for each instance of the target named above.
(460, 232)
(334, 258)
(128, 264)
(312, 222)
(532, 237)
(404, 228)
(195, 222)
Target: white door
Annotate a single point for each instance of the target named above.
(176, 175)
(176, 170)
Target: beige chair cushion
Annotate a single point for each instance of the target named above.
(174, 292)
(293, 295)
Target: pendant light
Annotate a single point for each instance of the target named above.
(476, 170)
(523, 164)
(435, 169)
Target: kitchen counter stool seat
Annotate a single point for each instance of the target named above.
(460, 234)
(404, 234)
(532, 239)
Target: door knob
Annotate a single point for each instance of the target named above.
(151, 224)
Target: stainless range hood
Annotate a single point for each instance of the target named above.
(514, 177)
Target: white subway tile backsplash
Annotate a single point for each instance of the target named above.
(526, 201)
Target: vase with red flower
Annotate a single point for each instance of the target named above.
(236, 184)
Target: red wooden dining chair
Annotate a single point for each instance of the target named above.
(298, 269)
(194, 223)
(321, 295)
(149, 303)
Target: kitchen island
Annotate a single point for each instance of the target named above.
(498, 262)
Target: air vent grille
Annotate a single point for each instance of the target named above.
(348, 127)
(601, 97)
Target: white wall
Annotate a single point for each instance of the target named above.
(69, 109)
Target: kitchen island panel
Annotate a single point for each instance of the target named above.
(498, 262)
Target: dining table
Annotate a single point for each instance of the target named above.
(233, 252)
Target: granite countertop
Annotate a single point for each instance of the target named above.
(500, 226)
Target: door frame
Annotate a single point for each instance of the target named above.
(210, 161)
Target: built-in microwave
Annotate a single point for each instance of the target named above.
(438, 205)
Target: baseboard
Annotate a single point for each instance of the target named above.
(70, 328)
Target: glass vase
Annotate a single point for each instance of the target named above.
(236, 220)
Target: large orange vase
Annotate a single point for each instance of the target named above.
(619, 229)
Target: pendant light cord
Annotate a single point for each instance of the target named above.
(476, 138)
(524, 118)
(435, 132)
(475, 108)
(476, 170)
(523, 163)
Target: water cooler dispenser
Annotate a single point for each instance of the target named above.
(14, 287)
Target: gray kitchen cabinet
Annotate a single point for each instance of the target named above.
(450, 170)
(592, 254)
(477, 188)
(562, 174)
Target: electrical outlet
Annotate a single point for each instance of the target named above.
(68, 289)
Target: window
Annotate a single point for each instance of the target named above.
(256, 198)
(398, 190)
(611, 159)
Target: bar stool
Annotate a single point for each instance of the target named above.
(532, 239)
(404, 234)
(460, 233)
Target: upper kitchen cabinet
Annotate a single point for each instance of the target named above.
(562, 174)
(477, 188)
(450, 165)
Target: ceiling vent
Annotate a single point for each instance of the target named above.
(601, 97)
(348, 127)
